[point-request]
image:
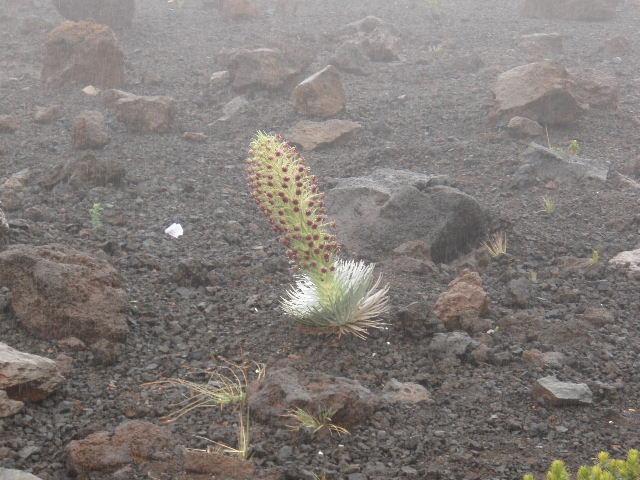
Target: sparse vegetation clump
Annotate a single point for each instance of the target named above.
(607, 468)
(96, 215)
(304, 420)
(496, 245)
(331, 295)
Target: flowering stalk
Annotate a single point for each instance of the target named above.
(343, 296)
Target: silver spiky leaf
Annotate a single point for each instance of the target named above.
(353, 303)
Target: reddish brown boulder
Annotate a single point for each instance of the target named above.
(131, 442)
(465, 296)
(594, 88)
(27, 377)
(115, 13)
(539, 91)
(311, 135)
(145, 114)
(284, 389)
(83, 52)
(233, 10)
(218, 465)
(260, 67)
(90, 131)
(57, 292)
(321, 94)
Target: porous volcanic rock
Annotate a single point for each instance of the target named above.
(132, 442)
(27, 377)
(539, 91)
(321, 94)
(311, 135)
(259, 67)
(144, 114)
(90, 131)
(380, 212)
(464, 294)
(286, 388)
(83, 52)
(58, 292)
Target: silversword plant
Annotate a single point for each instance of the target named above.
(96, 215)
(333, 295)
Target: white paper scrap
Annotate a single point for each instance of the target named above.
(175, 230)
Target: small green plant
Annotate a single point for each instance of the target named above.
(315, 423)
(330, 295)
(533, 276)
(549, 206)
(496, 245)
(96, 215)
(606, 469)
(595, 257)
(320, 477)
(573, 148)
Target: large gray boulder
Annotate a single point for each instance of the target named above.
(378, 213)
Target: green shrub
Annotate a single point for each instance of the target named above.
(607, 468)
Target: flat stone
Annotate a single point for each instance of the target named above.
(405, 392)
(551, 391)
(27, 377)
(310, 135)
(548, 164)
(630, 257)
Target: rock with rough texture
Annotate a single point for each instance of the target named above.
(58, 292)
(145, 114)
(451, 344)
(540, 46)
(415, 320)
(8, 408)
(310, 135)
(551, 391)
(405, 392)
(464, 294)
(260, 67)
(131, 442)
(547, 164)
(588, 10)
(321, 94)
(378, 213)
(217, 465)
(86, 171)
(47, 114)
(27, 377)
(90, 131)
(594, 88)
(234, 10)
(631, 258)
(524, 127)
(540, 91)
(546, 359)
(350, 58)
(284, 389)
(8, 124)
(115, 13)
(519, 291)
(378, 40)
(83, 52)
